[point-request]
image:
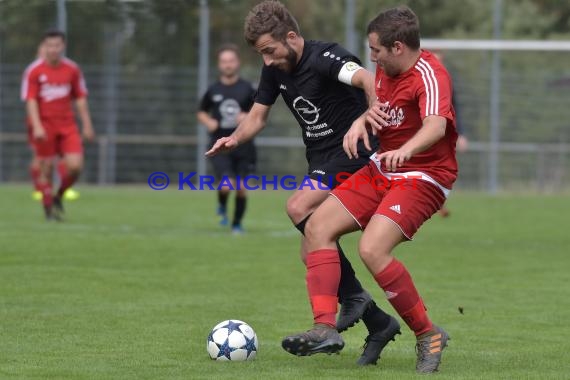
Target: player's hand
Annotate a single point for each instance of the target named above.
(225, 144)
(394, 159)
(357, 131)
(376, 116)
(39, 134)
(89, 134)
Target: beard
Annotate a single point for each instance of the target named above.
(290, 60)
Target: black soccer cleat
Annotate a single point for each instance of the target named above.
(58, 210)
(319, 339)
(351, 310)
(376, 341)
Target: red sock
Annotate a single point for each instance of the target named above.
(66, 183)
(35, 174)
(323, 277)
(47, 197)
(402, 294)
(61, 169)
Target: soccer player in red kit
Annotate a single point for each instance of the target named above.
(404, 184)
(35, 162)
(49, 86)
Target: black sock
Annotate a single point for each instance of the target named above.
(375, 318)
(349, 284)
(223, 200)
(240, 210)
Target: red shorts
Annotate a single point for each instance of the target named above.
(61, 140)
(408, 204)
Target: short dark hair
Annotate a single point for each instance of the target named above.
(228, 47)
(269, 17)
(50, 33)
(397, 24)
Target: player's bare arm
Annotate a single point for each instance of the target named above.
(34, 114)
(85, 117)
(364, 79)
(211, 124)
(432, 130)
(251, 125)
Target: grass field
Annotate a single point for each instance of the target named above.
(130, 285)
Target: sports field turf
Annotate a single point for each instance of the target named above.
(130, 285)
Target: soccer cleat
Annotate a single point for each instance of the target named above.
(51, 214)
(376, 341)
(71, 195)
(429, 348)
(320, 339)
(37, 195)
(222, 212)
(351, 310)
(237, 230)
(57, 209)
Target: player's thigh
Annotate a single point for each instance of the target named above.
(69, 141)
(360, 194)
(45, 149)
(73, 161)
(379, 238)
(329, 222)
(410, 207)
(305, 200)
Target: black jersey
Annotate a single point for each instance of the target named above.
(324, 107)
(224, 103)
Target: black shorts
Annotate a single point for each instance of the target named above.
(332, 167)
(241, 161)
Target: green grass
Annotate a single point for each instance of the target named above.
(130, 285)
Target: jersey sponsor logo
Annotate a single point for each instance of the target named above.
(306, 110)
(282, 87)
(397, 115)
(50, 92)
(318, 171)
(217, 98)
(229, 109)
(396, 209)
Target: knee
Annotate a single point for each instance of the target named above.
(296, 209)
(318, 233)
(372, 253)
(74, 169)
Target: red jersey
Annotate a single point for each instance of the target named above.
(423, 90)
(54, 87)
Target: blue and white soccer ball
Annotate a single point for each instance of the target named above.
(232, 340)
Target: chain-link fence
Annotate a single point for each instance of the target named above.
(143, 98)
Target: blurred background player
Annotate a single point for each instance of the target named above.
(224, 105)
(48, 88)
(462, 141)
(69, 194)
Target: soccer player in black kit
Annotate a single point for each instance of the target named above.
(223, 106)
(322, 84)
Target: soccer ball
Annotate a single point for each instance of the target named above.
(232, 340)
